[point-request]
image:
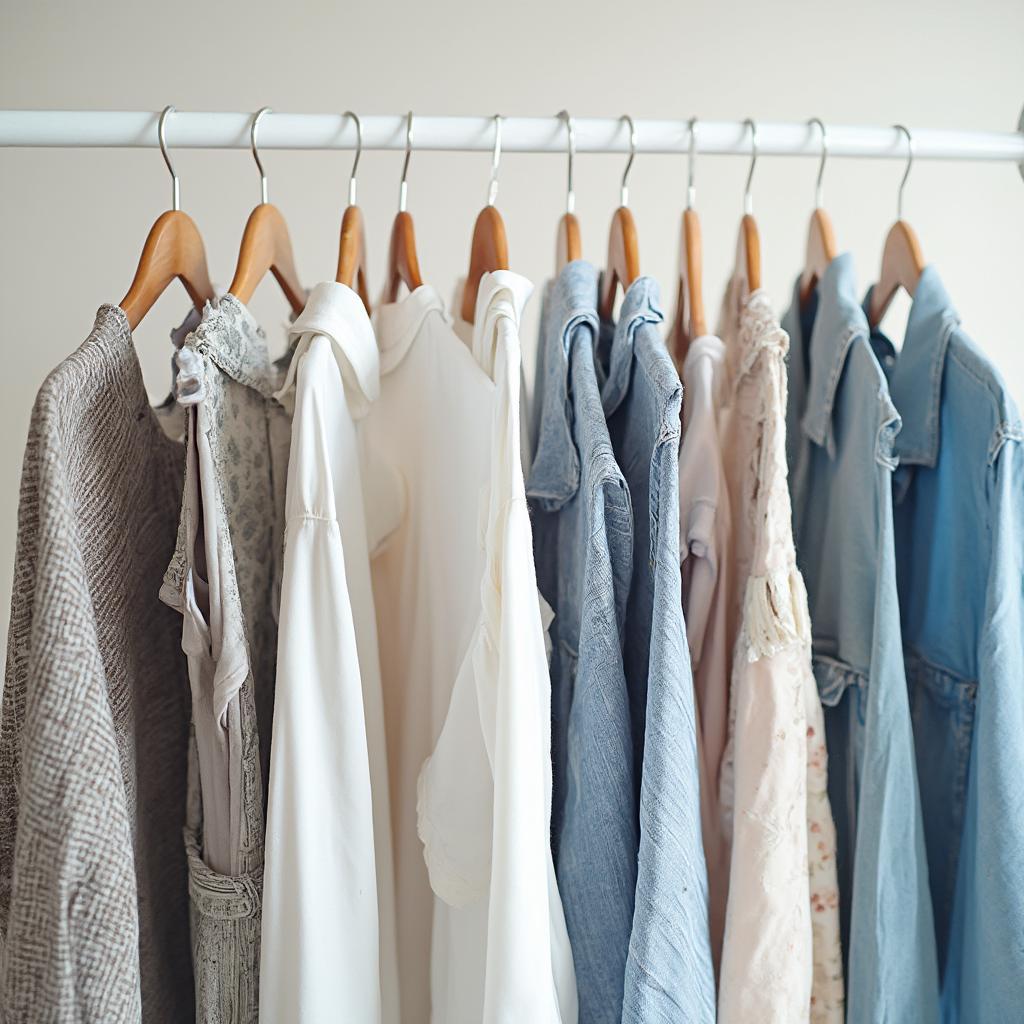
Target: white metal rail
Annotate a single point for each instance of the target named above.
(94, 128)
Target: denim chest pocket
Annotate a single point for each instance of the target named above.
(834, 678)
(942, 708)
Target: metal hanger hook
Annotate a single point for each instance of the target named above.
(162, 137)
(256, 118)
(359, 152)
(403, 185)
(748, 199)
(906, 173)
(691, 160)
(492, 187)
(570, 195)
(819, 192)
(624, 188)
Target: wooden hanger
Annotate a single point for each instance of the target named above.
(403, 263)
(623, 264)
(689, 322)
(748, 249)
(352, 246)
(489, 249)
(568, 246)
(902, 259)
(266, 245)
(173, 249)
(821, 238)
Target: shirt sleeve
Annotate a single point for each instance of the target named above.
(985, 953)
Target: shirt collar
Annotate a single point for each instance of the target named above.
(500, 293)
(915, 379)
(568, 319)
(838, 321)
(397, 323)
(336, 311)
(641, 305)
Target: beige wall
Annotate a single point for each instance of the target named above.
(72, 222)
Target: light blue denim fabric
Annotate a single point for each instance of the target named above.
(841, 484)
(583, 547)
(959, 519)
(669, 975)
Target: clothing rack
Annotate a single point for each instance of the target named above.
(205, 130)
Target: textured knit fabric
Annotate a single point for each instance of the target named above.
(221, 579)
(94, 733)
(781, 955)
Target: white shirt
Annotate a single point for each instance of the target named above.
(440, 434)
(328, 936)
(500, 951)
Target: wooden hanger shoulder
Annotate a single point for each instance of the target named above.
(902, 266)
(173, 249)
(352, 254)
(487, 252)
(623, 264)
(403, 262)
(266, 246)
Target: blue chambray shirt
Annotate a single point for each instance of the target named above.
(841, 426)
(669, 975)
(959, 527)
(583, 548)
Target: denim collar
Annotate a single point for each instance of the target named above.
(915, 373)
(640, 305)
(839, 320)
(569, 318)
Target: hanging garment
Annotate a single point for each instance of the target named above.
(221, 578)
(781, 958)
(705, 525)
(583, 539)
(328, 880)
(669, 964)
(841, 488)
(94, 731)
(426, 459)
(500, 949)
(958, 500)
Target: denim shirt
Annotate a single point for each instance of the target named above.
(669, 976)
(583, 548)
(959, 520)
(841, 468)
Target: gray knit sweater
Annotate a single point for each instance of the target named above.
(94, 727)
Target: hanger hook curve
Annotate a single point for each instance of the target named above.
(819, 192)
(359, 152)
(906, 173)
(492, 187)
(403, 185)
(256, 118)
(161, 135)
(748, 199)
(691, 160)
(570, 195)
(624, 188)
